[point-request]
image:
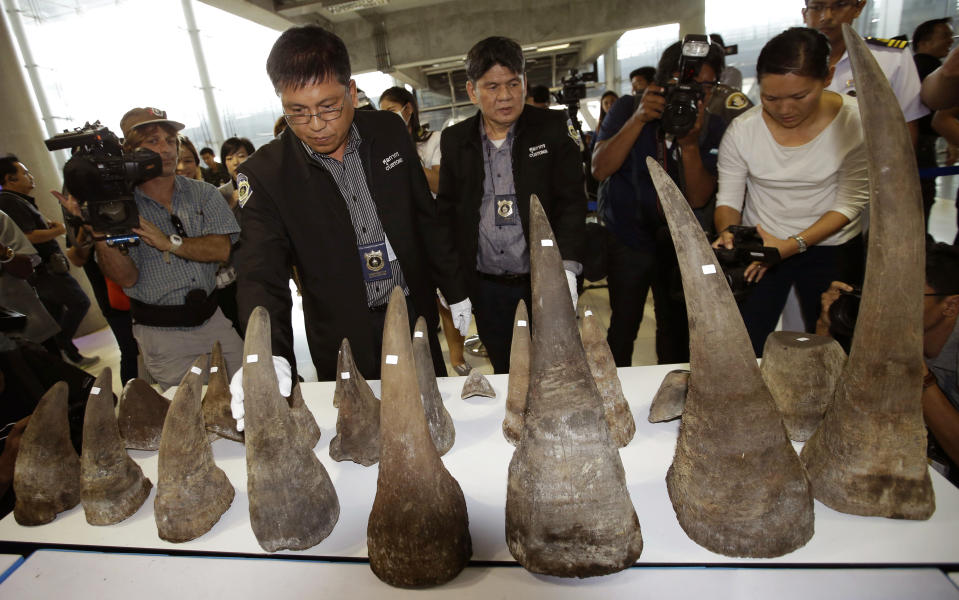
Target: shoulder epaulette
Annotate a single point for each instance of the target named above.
(897, 44)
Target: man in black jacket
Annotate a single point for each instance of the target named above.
(492, 163)
(340, 195)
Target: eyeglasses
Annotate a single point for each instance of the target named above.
(325, 115)
(178, 225)
(836, 7)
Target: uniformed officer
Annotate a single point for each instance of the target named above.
(340, 194)
(492, 163)
(893, 57)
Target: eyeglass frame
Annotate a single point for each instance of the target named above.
(322, 115)
(836, 7)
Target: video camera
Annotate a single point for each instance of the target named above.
(101, 177)
(747, 248)
(574, 87)
(684, 94)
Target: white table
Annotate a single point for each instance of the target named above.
(479, 461)
(94, 576)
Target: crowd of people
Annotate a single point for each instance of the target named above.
(352, 203)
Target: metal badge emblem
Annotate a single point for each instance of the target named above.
(374, 260)
(504, 208)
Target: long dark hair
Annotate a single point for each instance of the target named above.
(403, 96)
(798, 50)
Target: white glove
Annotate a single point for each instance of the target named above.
(443, 302)
(284, 376)
(571, 280)
(462, 314)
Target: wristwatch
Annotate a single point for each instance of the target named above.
(175, 241)
(802, 243)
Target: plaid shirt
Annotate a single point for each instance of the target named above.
(351, 181)
(203, 211)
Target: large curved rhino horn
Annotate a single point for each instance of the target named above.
(46, 475)
(868, 456)
(192, 492)
(736, 484)
(293, 504)
(568, 510)
(418, 531)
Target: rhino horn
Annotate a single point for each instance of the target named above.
(216, 402)
(418, 532)
(141, 413)
(358, 419)
(113, 485)
(192, 492)
(801, 370)
(603, 367)
(736, 484)
(46, 475)
(477, 384)
(568, 513)
(293, 504)
(670, 397)
(518, 376)
(437, 417)
(868, 456)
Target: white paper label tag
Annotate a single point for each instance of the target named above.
(252, 358)
(345, 375)
(392, 359)
(521, 323)
(196, 370)
(802, 339)
(417, 334)
(94, 391)
(709, 269)
(546, 243)
(214, 369)
(588, 313)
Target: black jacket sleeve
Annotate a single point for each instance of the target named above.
(262, 261)
(453, 284)
(568, 214)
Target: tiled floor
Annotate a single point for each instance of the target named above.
(942, 226)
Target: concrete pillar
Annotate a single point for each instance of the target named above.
(611, 66)
(22, 135)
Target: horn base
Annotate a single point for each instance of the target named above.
(568, 513)
(744, 493)
(870, 462)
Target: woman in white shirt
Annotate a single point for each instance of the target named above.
(402, 102)
(795, 167)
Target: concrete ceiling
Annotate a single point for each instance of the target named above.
(410, 37)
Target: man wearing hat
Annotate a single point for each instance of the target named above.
(185, 232)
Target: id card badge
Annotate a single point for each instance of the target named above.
(506, 210)
(375, 261)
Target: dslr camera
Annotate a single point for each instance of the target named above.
(747, 248)
(101, 177)
(684, 94)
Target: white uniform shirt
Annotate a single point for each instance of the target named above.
(900, 70)
(791, 187)
(429, 150)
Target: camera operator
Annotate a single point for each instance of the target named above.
(57, 289)
(492, 163)
(940, 343)
(641, 253)
(802, 158)
(185, 232)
